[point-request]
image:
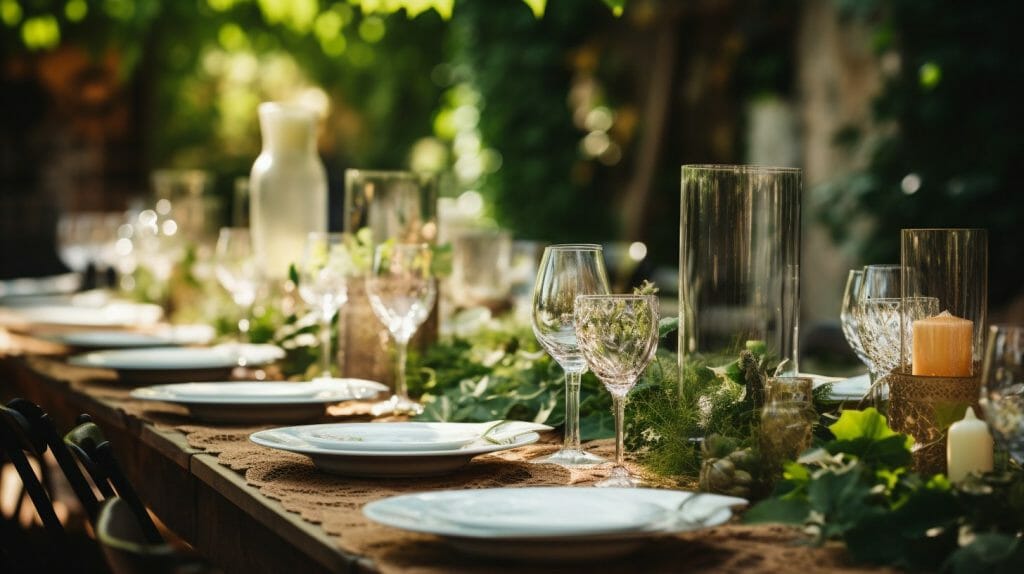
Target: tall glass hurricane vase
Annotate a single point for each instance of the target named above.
(567, 271)
(739, 265)
(618, 335)
(402, 291)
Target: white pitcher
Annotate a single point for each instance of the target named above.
(288, 184)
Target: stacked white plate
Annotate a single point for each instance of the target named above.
(161, 364)
(166, 336)
(119, 315)
(552, 523)
(260, 401)
(397, 449)
(177, 364)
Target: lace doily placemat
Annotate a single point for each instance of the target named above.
(335, 503)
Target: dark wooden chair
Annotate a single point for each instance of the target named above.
(128, 549)
(19, 444)
(92, 449)
(42, 428)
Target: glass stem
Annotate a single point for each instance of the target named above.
(620, 412)
(325, 346)
(245, 323)
(402, 348)
(572, 410)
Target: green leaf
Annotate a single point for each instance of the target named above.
(892, 451)
(868, 423)
(617, 6)
(667, 325)
(537, 6)
(780, 511)
(843, 499)
(994, 553)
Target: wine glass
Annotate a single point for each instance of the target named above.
(1002, 388)
(239, 272)
(847, 316)
(402, 291)
(565, 272)
(323, 273)
(878, 322)
(74, 237)
(618, 336)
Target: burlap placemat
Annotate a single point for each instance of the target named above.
(335, 503)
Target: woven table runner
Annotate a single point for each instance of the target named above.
(335, 502)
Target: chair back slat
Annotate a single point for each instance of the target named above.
(15, 437)
(88, 443)
(43, 427)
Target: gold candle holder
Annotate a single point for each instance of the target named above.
(924, 407)
(940, 356)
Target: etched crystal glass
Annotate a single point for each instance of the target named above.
(618, 336)
(1002, 388)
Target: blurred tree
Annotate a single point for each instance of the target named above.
(947, 133)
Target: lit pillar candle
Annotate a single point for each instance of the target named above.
(943, 346)
(968, 447)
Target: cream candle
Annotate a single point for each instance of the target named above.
(968, 447)
(943, 346)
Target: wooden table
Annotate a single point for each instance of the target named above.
(206, 504)
(240, 529)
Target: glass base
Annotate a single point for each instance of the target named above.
(620, 478)
(396, 405)
(570, 458)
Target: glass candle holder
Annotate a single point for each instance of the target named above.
(950, 265)
(787, 420)
(739, 257)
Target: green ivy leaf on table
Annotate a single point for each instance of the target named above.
(858, 488)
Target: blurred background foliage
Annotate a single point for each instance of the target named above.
(570, 118)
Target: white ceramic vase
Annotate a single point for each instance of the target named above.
(288, 187)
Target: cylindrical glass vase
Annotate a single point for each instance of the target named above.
(739, 261)
(950, 265)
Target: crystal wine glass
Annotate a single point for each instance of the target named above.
(847, 316)
(878, 282)
(1002, 388)
(878, 322)
(618, 335)
(401, 289)
(239, 272)
(565, 272)
(323, 274)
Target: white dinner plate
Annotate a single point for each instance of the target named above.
(845, 389)
(260, 401)
(391, 436)
(387, 463)
(552, 523)
(161, 364)
(113, 315)
(111, 340)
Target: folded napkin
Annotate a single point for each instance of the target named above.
(506, 432)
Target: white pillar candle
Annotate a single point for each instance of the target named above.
(968, 447)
